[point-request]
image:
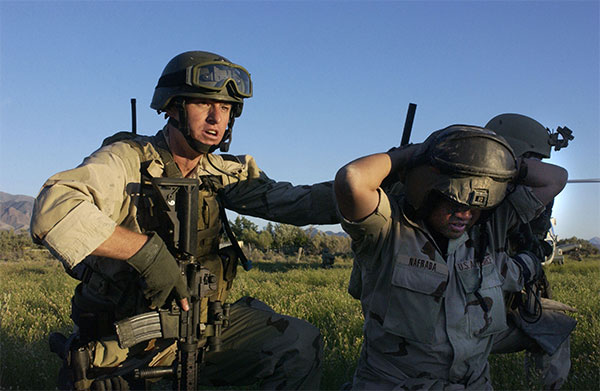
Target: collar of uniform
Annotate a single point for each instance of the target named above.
(453, 244)
(410, 218)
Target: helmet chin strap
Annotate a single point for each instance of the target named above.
(194, 144)
(226, 140)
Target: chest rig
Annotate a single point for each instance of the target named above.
(199, 231)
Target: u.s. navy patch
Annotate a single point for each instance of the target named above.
(470, 263)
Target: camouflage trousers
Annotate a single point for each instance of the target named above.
(280, 352)
(547, 344)
(259, 346)
(374, 373)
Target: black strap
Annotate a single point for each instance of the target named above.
(246, 263)
(171, 168)
(174, 79)
(479, 257)
(524, 268)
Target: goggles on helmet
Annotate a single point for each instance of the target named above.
(212, 76)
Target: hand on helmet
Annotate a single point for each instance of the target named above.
(402, 159)
(160, 271)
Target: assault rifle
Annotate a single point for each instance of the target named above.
(178, 200)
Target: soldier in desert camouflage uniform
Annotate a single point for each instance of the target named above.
(432, 258)
(97, 219)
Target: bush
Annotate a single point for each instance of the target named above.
(18, 246)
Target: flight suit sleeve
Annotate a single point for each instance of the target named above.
(525, 204)
(250, 191)
(520, 206)
(78, 209)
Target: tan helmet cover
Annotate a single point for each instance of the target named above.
(469, 165)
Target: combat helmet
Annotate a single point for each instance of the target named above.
(197, 74)
(524, 134)
(467, 164)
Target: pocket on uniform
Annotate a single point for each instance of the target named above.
(417, 290)
(482, 323)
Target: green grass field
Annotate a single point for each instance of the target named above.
(35, 294)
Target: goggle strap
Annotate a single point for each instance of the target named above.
(174, 79)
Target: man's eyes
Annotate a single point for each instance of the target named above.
(223, 107)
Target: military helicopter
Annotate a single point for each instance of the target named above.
(559, 250)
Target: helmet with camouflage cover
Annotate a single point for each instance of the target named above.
(525, 135)
(467, 164)
(198, 74)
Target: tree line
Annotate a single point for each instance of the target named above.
(281, 238)
(288, 239)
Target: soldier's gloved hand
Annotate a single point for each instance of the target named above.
(530, 264)
(399, 175)
(110, 384)
(160, 271)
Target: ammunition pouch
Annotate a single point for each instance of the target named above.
(76, 361)
(104, 365)
(94, 319)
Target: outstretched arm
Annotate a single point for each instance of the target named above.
(357, 182)
(545, 180)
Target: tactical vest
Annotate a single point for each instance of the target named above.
(102, 296)
(209, 228)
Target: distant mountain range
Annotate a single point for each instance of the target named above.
(15, 211)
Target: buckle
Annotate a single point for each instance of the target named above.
(478, 198)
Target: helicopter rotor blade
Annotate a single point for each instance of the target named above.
(590, 180)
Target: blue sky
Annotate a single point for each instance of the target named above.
(332, 79)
